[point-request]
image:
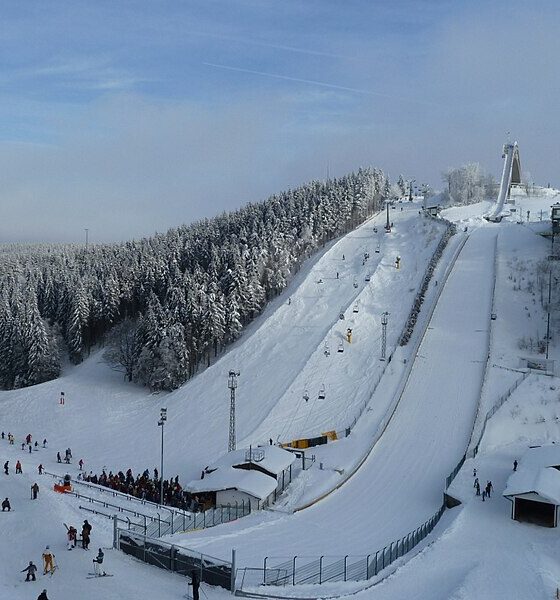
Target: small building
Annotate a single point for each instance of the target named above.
(256, 476)
(534, 489)
(555, 217)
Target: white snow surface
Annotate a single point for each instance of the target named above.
(476, 551)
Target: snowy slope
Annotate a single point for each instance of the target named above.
(113, 424)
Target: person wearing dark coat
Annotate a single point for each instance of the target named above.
(195, 582)
(31, 570)
(515, 465)
(42, 595)
(6, 467)
(6, 505)
(86, 531)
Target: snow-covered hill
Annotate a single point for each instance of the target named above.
(280, 357)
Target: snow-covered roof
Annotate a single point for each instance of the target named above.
(270, 458)
(254, 483)
(544, 481)
(541, 456)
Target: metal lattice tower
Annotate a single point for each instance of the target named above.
(384, 334)
(232, 385)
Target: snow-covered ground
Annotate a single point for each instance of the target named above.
(110, 423)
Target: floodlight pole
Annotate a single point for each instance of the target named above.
(232, 385)
(161, 423)
(384, 322)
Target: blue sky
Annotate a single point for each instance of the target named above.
(132, 117)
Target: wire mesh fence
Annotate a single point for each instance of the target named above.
(300, 570)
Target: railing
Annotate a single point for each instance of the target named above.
(116, 493)
(177, 559)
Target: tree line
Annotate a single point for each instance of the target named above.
(166, 305)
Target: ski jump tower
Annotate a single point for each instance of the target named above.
(511, 176)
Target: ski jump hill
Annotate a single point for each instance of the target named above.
(511, 175)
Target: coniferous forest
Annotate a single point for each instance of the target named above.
(165, 306)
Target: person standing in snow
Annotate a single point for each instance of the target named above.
(40, 469)
(18, 468)
(474, 472)
(58, 459)
(483, 495)
(31, 570)
(489, 488)
(515, 463)
(97, 562)
(86, 531)
(34, 491)
(48, 561)
(81, 463)
(6, 505)
(6, 467)
(72, 533)
(195, 582)
(42, 595)
(477, 486)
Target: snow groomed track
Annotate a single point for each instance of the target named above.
(400, 484)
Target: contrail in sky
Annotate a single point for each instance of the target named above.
(319, 83)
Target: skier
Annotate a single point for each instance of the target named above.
(515, 463)
(474, 472)
(343, 257)
(477, 486)
(48, 560)
(81, 463)
(30, 448)
(31, 570)
(6, 467)
(97, 562)
(61, 401)
(489, 488)
(195, 582)
(6, 505)
(18, 468)
(42, 595)
(58, 459)
(45, 443)
(72, 534)
(36, 446)
(40, 469)
(28, 438)
(34, 491)
(483, 495)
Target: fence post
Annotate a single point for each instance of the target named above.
(264, 570)
(233, 569)
(320, 569)
(376, 564)
(345, 559)
(294, 571)
(115, 525)
(159, 524)
(384, 557)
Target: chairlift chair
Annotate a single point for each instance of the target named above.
(305, 395)
(355, 283)
(356, 308)
(377, 249)
(368, 277)
(327, 350)
(322, 392)
(341, 347)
